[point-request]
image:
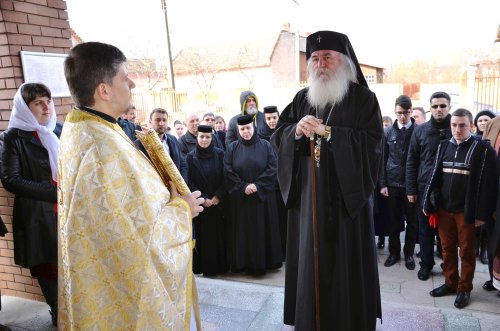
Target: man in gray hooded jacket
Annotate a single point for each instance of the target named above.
(249, 106)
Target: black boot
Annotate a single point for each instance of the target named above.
(483, 248)
(49, 290)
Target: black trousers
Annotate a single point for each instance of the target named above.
(399, 206)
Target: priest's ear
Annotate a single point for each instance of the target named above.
(102, 92)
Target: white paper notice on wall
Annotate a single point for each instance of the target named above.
(46, 68)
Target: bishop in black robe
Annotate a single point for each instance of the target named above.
(345, 182)
(254, 230)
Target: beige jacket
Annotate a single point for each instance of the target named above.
(492, 130)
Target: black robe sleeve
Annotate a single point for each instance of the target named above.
(266, 182)
(284, 141)
(193, 178)
(234, 183)
(221, 191)
(356, 149)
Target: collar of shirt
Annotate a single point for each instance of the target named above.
(164, 142)
(406, 126)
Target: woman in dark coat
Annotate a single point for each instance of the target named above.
(250, 175)
(206, 174)
(483, 232)
(29, 149)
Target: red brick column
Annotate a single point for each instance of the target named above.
(37, 26)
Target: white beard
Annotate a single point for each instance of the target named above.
(251, 111)
(331, 86)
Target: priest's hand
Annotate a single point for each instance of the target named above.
(193, 199)
(207, 203)
(384, 191)
(309, 125)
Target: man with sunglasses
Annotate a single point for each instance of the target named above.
(421, 155)
(392, 184)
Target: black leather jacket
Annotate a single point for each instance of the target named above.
(25, 172)
(396, 144)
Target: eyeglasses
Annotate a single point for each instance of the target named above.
(440, 106)
(401, 113)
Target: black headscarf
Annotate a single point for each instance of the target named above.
(486, 112)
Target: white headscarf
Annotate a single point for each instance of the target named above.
(22, 118)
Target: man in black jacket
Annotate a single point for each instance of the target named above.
(158, 122)
(462, 194)
(392, 184)
(421, 154)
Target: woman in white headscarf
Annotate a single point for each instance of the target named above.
(29, 149)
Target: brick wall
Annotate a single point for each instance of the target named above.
(37, 26)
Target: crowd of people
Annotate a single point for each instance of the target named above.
(314, 187)
(439, 183)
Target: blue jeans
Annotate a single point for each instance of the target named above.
(426, 236)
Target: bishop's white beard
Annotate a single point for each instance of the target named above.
(327, 86)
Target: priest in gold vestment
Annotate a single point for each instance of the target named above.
(125, 239)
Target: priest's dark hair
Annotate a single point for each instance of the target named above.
(31, 91)
(88, 65)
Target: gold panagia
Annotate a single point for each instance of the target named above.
(125, 247)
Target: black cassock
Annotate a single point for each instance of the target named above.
(253, 223)
(280, 204)
(346, 179)
(206, 174)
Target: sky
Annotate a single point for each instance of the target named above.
(382, 32)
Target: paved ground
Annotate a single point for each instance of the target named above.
(238, 302)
